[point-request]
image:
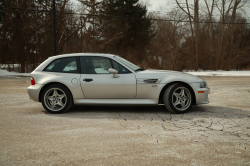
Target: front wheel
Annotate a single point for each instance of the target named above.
(56, 99)
(178, 98)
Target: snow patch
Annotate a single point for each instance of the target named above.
(7, 73)
(217, 73)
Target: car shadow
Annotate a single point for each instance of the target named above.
(158, 112)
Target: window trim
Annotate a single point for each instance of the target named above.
(77, 64)
(110, 59)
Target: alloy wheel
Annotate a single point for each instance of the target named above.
(55, 99)
(181, 98)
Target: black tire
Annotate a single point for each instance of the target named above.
(178, 104)
(59, 104)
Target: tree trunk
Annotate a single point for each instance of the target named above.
(196, 31)
(230, 33)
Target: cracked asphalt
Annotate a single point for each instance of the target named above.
(213, 134)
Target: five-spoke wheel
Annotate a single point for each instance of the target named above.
(181, 98)
(56, 98)
(178, 98)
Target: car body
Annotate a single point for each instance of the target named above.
(89, 78)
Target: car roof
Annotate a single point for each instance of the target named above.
(83, 54)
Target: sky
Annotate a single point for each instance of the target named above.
(154, 4)
(158, 5)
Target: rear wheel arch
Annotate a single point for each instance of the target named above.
(160, 100)
(51, 83)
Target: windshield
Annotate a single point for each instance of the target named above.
(127, 63)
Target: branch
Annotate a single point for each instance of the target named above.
(184, 10)
(71, 35)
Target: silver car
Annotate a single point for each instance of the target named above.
(85, 78)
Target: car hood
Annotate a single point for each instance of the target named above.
(168, 75)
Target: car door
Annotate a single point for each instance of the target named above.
(98, 83)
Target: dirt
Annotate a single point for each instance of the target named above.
(213, 134)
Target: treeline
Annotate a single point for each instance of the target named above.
(206, 34)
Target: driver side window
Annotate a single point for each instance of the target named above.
(100, 65)
(95, 65)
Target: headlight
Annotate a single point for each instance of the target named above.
(203, 84)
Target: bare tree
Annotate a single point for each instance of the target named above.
(228, 12)
(195, 31)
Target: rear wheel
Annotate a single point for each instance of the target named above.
(178, 98)
(56, 99)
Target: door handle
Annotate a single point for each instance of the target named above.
(88, 79)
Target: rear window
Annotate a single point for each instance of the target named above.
(63, 65)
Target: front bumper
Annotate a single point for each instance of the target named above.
(201, 98)
(34, 91)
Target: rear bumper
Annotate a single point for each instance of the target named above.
(201, 98)
(34, 91)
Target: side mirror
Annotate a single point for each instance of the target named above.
(114, 72)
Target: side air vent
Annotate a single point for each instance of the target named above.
(149, 81)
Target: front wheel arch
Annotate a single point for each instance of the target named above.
(160, 100)
(48, 84)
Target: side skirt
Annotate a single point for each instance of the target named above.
(116, 101)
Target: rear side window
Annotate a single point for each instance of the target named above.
(63, 65)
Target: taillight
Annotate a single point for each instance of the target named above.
(32, 81)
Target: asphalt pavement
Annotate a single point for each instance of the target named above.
(213, 134)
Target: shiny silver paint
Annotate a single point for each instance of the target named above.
(117, 101)
(43, 78)
(114, 72)
(168, 77)
(133, 88)
(34, 91)
(105, 86)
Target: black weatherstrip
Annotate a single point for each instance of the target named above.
(79, 68)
